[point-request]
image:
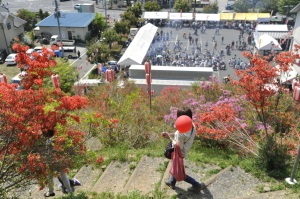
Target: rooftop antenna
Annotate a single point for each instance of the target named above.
(57, 16)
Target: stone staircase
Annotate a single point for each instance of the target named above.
(148, 175)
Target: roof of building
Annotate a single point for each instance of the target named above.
(68, 19)
(272, 28)
(296, 8)
(17, 22)
(275, 34)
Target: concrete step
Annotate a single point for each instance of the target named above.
(199, 173)
(281, 194)
(88, 176)
(39, 194)
(113, 178)
(146, 175)
(226, 184)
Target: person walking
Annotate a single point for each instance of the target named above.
(222, 40)
(185, 141)
(67, 186)
(78, 53)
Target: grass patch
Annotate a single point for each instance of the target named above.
(9, 71)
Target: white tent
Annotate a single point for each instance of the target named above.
(207, 17)
(156, 15)
(288, 75)
(181, 16)
(266, 42)
(139, 46)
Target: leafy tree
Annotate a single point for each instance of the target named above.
(241, 6)
(271, 108)
(42, 15)
(98, 52)
(29, 116)
(136, 9)
(67, 75)
(131, 18)
(98, 25)
(285, 6)
(111, 36)
(182, 6)
(28, 16)
(152, 6)
(269, 5)
(213, 8)
(122, 27)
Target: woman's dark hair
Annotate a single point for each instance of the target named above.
(48, 133)
(185, 111)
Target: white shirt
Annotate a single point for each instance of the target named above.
(185, 140)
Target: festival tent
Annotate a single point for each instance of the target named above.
(180, 16)
(207, 17)
(156, 15)
(266, 42)
(251, 16)
(240, 16)
(263, 15)
(288, 75)
(226, 16)
(139, 46)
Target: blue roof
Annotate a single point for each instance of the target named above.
(68, 19)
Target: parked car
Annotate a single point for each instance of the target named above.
(11, 59)
(113, 65)
(3, 55)
(77, 6)
(229, 7)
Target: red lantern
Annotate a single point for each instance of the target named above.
(296, 93)
(152, 92)
(148, 79)
(110, 75)
(55, 80)
(3, 78)
(295, 83)
(147, 67)
(183, 124)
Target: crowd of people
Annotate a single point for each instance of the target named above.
(190, 50)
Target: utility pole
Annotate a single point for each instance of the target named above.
(105, 13)
(57, 15)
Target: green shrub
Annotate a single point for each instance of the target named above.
(273, 158)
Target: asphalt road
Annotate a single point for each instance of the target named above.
(49, 5)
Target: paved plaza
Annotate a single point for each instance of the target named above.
(176, 36)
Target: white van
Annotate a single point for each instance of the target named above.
(70, 51)
(133, 31)
(18, 78)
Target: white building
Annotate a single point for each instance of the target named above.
(11, 27)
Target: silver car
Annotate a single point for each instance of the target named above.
(11, 59)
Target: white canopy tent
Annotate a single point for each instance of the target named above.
(207, 17)
(139, 46)
(266, 42)
(180, 16)
(288, 75)
(156, 15)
